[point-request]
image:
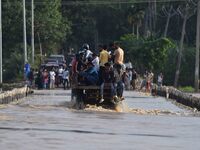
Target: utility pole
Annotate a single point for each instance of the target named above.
(1, 80)
(25, 42)
(32, 39)
(196, 83)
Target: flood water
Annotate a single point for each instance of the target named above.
(45, 121)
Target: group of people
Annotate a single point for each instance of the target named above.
(148, 78)
(48, 79)
(107, 68)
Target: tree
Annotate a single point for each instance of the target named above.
(12, 17)
(51, 26)
(185, 15)
(135, 18)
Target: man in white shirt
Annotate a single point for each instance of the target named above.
(60, 73)
(95, 61)
(52, 79)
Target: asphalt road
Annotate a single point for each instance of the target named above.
(45, 121)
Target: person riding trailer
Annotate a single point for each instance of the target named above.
(118, 82)
(90, 75)
(107, 78)
(119, 70)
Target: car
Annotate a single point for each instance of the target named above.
(59, 58)
(49, 60)
(50, 65)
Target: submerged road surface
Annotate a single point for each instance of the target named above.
(44, 121)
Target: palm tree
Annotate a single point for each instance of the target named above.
(135, 19)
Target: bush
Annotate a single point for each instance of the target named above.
(188, 89)
(13, 67)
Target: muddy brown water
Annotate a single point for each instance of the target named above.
(45, 121)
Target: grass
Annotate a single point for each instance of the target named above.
(187, 89)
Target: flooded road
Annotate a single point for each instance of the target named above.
(45, 121)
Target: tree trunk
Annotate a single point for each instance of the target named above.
(146, 27)
(196, 82)
(180, 49)
(138, 31)
(150, 17)
(133, 29)
(167, 23)
(154, 17)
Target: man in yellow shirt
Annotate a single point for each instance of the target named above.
(103, 59)
(104, 55)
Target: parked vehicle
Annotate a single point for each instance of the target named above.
(50, 60)
(59, 58)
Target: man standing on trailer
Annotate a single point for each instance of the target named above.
(118, 54)
(119, 69)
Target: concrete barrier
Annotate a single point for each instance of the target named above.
(179, 96)
(15, 94)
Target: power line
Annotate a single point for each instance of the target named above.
(112, 2)
(103, 2)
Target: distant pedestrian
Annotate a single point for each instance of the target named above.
(52, 75)
(27, 69)
(57, 78)
(39, 80)
(70, 75)
(160, 79)
(45, 79)
(133, 81)
(126, 79)
(148, 82)
(60, 73)
(30, 77)
(144, 81)
(151, 77)
(65, 78)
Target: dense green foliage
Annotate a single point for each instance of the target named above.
(50, 26)
(187, 69)
(146, 53)
(62, 25)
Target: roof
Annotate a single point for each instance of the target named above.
(52, 64)
(57, 56)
